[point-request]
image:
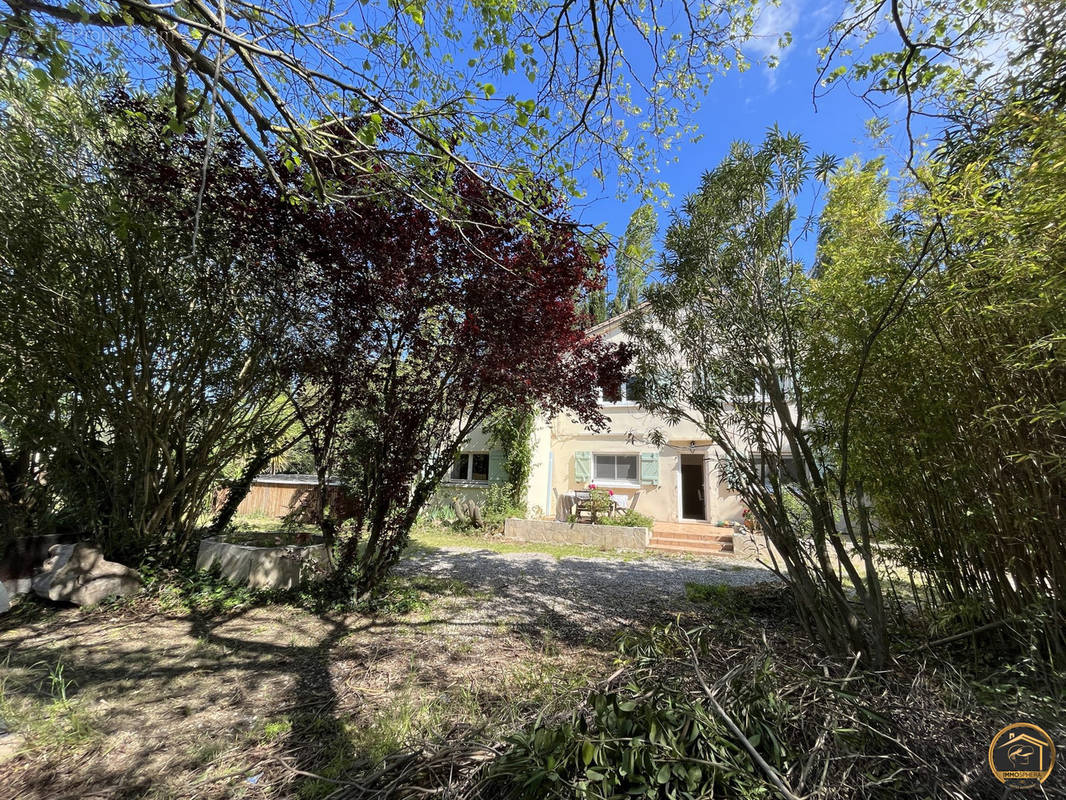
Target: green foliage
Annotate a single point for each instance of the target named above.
(395, 597)
(407, 594)
(437, 514)
(722, 346)
(799, 514)
(633, 263)
(599, 503)
(206, 592)
(627, 518)
(512, 429)
(720, 596)
(202, 591)
(436, 90)
(498, 503)
(129, 360)
(957, 426)
(653, 737)
(596, 306)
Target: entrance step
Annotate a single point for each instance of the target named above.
(685, 536)
(687, 547)
(695, 538)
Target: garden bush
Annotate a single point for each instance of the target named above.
(630, 518)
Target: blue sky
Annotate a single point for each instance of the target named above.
(744, 105)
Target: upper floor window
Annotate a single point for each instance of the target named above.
(748, 389)
(624, 395)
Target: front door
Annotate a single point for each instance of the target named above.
(692, 492)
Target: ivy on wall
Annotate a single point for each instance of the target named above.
(511, 429)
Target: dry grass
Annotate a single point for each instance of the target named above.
(162, 704)
(161, 699)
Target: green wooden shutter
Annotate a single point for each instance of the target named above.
(582, 466)
(497, 472)
(649, 468)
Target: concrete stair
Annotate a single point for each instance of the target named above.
(691, 537)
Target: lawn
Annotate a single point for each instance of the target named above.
(176, 696)
(201, 689)
(198, 689)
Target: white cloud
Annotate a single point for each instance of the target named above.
(996, 50)
(768, 37)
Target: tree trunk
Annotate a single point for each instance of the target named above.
(238, 491)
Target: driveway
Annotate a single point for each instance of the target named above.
(579, 595)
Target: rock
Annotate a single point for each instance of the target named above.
(58, 556)
(79, 574)
(5, 601)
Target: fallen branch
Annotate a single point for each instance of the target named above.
(955, 637)
(771, 773)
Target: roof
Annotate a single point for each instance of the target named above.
(611, 322)
(1023, 737)
(293, 480)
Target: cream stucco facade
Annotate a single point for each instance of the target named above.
(676, 480)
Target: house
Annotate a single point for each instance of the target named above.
(676, 482)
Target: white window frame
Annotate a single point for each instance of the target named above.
(467, 479)
(624, 400)
(612, 482)
(760, 394)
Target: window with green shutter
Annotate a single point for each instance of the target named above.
(582, 466)
(649, 468)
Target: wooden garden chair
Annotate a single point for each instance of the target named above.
(583, 506)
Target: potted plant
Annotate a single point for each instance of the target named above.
(749, 519)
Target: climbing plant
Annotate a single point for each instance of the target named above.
(512, 430)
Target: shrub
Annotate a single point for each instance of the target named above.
(437, 514)
(629, 517)
(499, 504)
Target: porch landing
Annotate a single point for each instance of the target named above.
(698, 538)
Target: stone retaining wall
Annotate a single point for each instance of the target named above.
(260, 567)
(607, 537)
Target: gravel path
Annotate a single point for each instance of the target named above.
(578, 595)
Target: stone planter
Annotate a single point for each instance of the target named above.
(607, 537)
(261, 567)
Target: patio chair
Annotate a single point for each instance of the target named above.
(630, 503)
(583, 506)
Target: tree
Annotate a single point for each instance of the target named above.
(596, 305)
(722, 343)
(132, 365)
(957, 427)
(424, 74)
(408, 330)
(955, 419)
(633, 262)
